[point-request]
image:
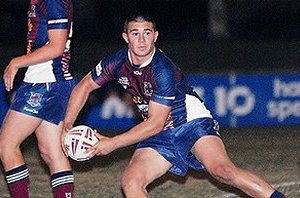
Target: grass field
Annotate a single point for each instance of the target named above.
(273, 153)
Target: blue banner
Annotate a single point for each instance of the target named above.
(112, 114)
(251, 100)
(235, 100)
(4, 102)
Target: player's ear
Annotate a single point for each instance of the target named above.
(125, 37)
(155, 36)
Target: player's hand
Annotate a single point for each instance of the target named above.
(66, 128)
(9, 74)
(104, 146)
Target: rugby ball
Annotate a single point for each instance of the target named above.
(78, 140)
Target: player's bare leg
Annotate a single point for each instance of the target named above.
(145, 166)
(62, 179)
(48, 136)
(15, 129)
(210, 150)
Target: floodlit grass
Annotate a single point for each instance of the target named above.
(271, 152)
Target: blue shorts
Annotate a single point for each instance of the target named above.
(47, 101)
(175, 144)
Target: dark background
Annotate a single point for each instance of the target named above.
(201, 36)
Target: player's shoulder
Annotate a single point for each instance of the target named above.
(161, 62)
(116, 57)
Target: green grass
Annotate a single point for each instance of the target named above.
(271, 152)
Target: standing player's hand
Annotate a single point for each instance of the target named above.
(104, 146)
(9, 74)
(66, 128)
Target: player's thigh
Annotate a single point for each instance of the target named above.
(16, 128)
(147, 164)
(210, 150)
(49, 137)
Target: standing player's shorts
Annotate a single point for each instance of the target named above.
(175, 144)
(47, 101)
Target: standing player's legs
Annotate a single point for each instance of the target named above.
(145, 166)
(210, 150)
(15, 129)
(48, 134)
(62, 179)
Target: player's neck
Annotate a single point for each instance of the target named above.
(140, 60)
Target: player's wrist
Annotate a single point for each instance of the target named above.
(117, 142)
(16, 62)
(67, 126)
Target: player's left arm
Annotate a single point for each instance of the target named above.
(158, 114)
(54, 48)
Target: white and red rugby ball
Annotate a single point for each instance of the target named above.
(78, 140)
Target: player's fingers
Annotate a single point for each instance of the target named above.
(93, 149)
(63, 136)
(92, 153)
(67, 127)
(7, 83)
(98, 135)
(9, 76)
(63, 146)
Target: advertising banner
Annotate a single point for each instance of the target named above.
(111, 114)
(235, 100)
(4, 102)
(251, 100)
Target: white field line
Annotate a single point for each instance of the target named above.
(284, 184)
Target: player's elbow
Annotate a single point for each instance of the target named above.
(156, 124)
(82, 89)
(158, 128)
(58, 51)
(55, 49)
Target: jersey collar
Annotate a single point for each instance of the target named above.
(147, 62)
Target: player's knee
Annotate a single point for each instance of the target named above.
(2, 151)
(7, 151)
(46, 155)
(131, 183)
(53, 157)
(223, 172)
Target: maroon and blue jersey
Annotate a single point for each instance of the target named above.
(158, 80)
(45, 15)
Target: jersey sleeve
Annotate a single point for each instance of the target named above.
(103, 72)
(165, 85)
(58, 13)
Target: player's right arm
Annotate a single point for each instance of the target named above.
(54, 48)
(93, 80)
(77, 100)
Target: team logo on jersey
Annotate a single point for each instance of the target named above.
(99, 69)
(138, 73)
(124, 82)
(32, 11)
(148, 89)
(35, 99)
(216, 127)
(143, 108)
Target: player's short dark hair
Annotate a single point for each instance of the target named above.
(140, 16)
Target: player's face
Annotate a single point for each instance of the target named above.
(140, 37)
